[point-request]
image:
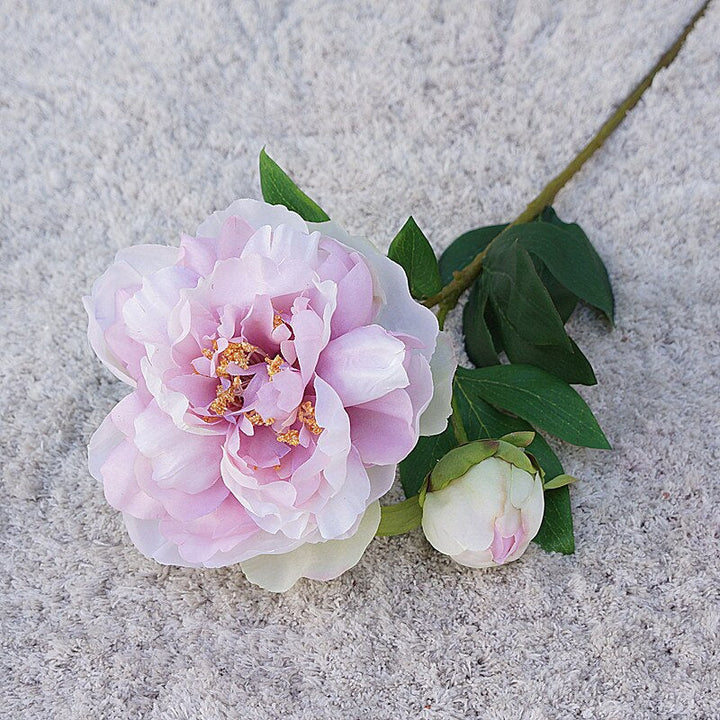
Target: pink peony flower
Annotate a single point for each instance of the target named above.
(281, 371)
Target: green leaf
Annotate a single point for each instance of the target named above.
(515, 456)
(569, 365)
(520, 300)
(556, 532)
(279, 189)
(459, 460)
(411, 250)
(559, 481)
(416, 466)
(564, 301)
(568, 254)
(463, 250)
(484, 421)
(520, 438)
(538, 397)
(479, 343)
(399, 518)
(545, 455)
(482, 347)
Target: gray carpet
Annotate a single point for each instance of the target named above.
(124, 123)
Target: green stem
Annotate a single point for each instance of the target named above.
(448, 297)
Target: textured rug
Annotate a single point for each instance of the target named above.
(130, 122)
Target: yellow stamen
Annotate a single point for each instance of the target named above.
(208, 353)
(291, 437)
(256, 419)
(238, 353)
(273, 365)
(277, 321)
(226, 398)
(306, 415)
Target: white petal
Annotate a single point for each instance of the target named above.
(533, 509)
(381, 480)
(521, 485)
(255, 213)
(317, 561)
(148, 311)
(126, 272)
(342, 509)
(104, 440)
(462, 515)
(285, 244)
(96, 337)
(475, 558)
(442, 365)
(151, 543)
(436, 527)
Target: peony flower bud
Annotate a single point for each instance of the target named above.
(484, 502)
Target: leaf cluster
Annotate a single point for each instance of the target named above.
(533, 276)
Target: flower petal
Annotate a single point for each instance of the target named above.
(180, 460)
(147, 313)
(119, 282)
(317, 561)
(442, 365)
(343, 508)
(113, 460)
(382, 430)
(255, 213)
(363, 365)
(148, 539)
(400, 313)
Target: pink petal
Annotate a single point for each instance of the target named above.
(363, 365)
(382, 430)
(355, 307)
(180, 460)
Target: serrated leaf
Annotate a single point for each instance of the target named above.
(278, 189)
(539, 397)
(415, 467)
(519, 299)
(411, 250)
(482, 420)
(479, 343)
(462, 251)
(399, 518)
(568, 254)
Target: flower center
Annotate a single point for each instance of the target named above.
(235, 364)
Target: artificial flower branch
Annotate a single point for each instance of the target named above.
(450, 294)
(282, 370)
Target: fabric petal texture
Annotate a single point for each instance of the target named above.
(281, 370)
